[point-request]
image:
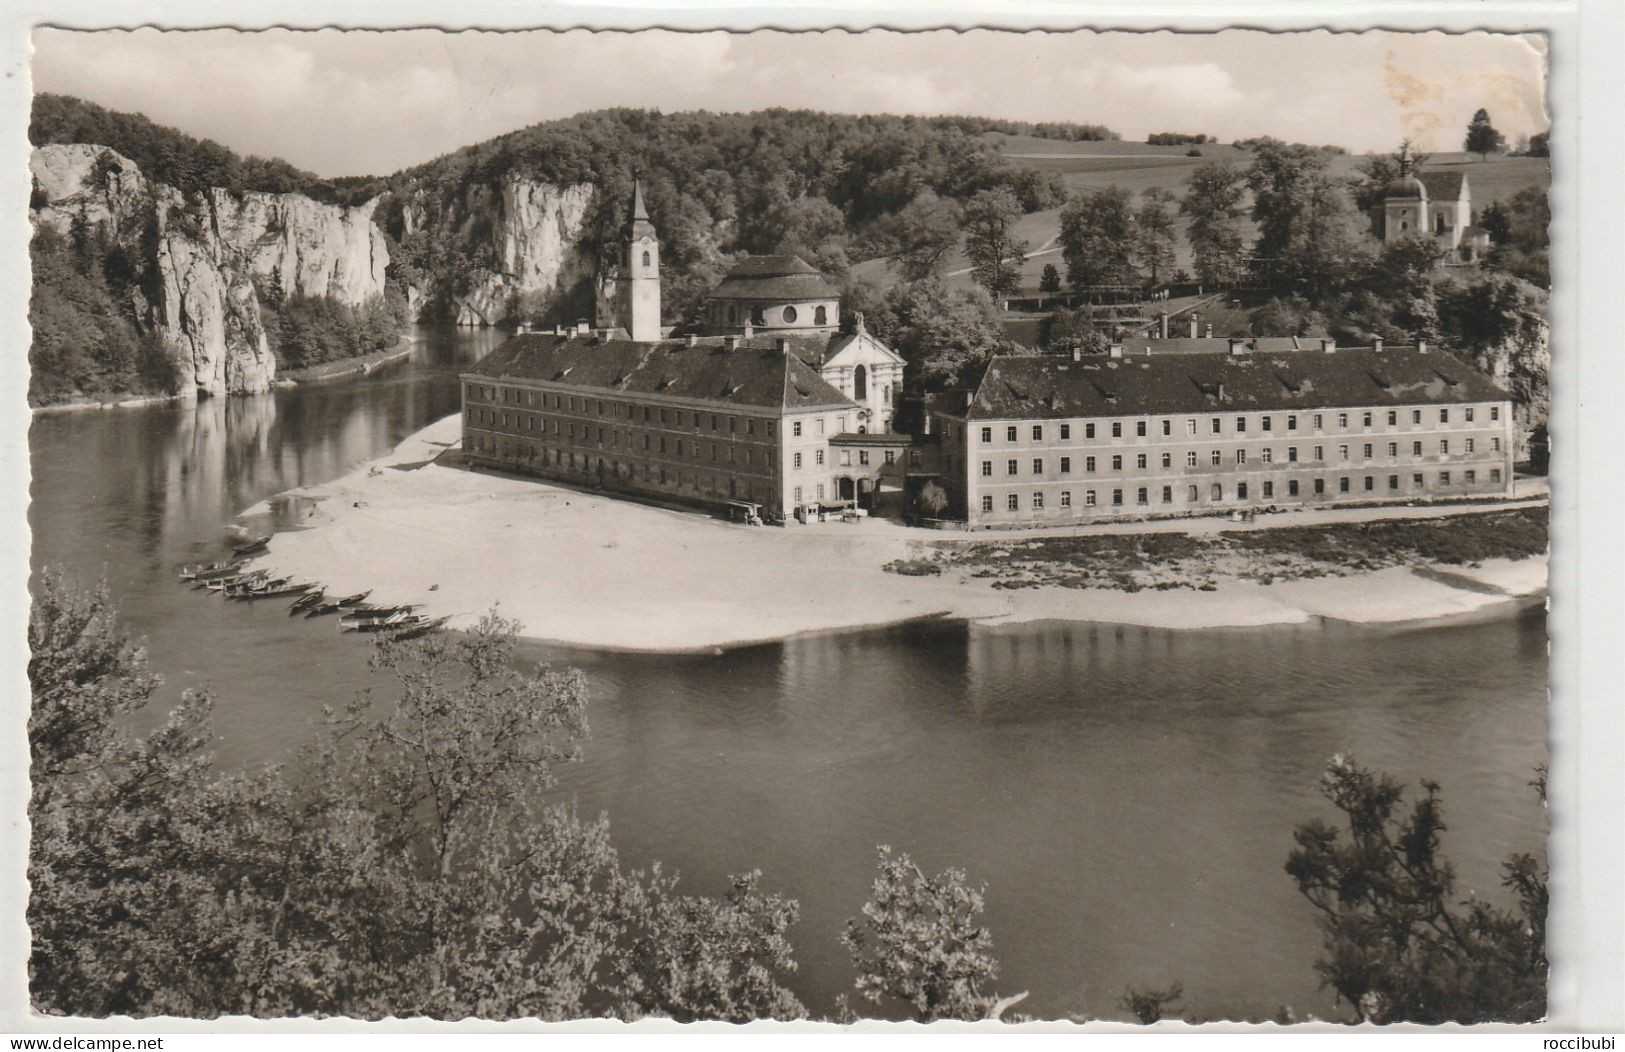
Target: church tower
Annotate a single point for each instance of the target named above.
(637, 289)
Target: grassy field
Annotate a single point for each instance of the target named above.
(1137, 167)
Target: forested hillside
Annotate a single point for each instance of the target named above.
(512, 228)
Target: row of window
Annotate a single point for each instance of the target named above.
(789, 314)
(1241, 492)
(622, 410)
(695, 450)
(612, 438)
(1216, 457)
(1266, 423)
(844, 458)
(525, 454)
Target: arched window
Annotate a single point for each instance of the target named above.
(789, 315)
(860, 384)
(821, 316)
(646, 259)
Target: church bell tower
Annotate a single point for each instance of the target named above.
(637, 289)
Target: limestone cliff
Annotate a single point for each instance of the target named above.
(524, 236)
(202, 256)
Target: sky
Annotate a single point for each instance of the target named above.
(370, 103)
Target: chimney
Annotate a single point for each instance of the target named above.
(1221, 390)
(1196, 320)
(693, 339)
(558, 330)
(1238, 346)
(1328, 345)
(730, 343)
(1116, 350)
(1376, 344)
(1421, 347)
(784, 345)
(1208, 330)
(1162, 325)
(1077, 354)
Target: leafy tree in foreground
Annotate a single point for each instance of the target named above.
(1399, 948)
(1050, 279)
(921, 942)
(1148, 1005)
(407, 863)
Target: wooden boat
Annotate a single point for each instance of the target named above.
(271, 589)
(375, 613)
(306, 601)
(226, 584)
(211, 571)
(251, 547)
(329, 606)
(380, 624)
(419, 626)
(275, 590)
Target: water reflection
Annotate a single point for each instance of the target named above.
(1128, 794)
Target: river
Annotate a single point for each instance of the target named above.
(1127, 795)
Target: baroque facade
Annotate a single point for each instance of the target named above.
(1052, 440)
(787, 415)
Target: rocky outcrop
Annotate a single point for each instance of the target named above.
(313, 249)
(212, 319)
(532, 232)
(206, 254)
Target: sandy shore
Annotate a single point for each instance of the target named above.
(591, 571)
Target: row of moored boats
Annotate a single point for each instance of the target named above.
(233, 580)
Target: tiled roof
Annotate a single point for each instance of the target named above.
(1443, 186)
(1214, 344)
(1050, 386)
(774, 278)
(754, 373)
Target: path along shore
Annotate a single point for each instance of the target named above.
(580, 569)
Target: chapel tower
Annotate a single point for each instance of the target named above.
(637, 288)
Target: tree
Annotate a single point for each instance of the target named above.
(932, 500)
(921, 943)
(1540, 145)
(1212, 200)
(1148, 1005)
(1050, 279)
(921, 235)
(995, 254)
(1397, 947)
(406, 862)
(1307, 236)
(1154, 234)
(1482, 138)
(1097, 238)
(948, 335)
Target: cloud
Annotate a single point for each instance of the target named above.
(345, 103)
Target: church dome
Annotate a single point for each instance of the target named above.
(777, 278)
(1406, 186)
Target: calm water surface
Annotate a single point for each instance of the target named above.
(1128, 795)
